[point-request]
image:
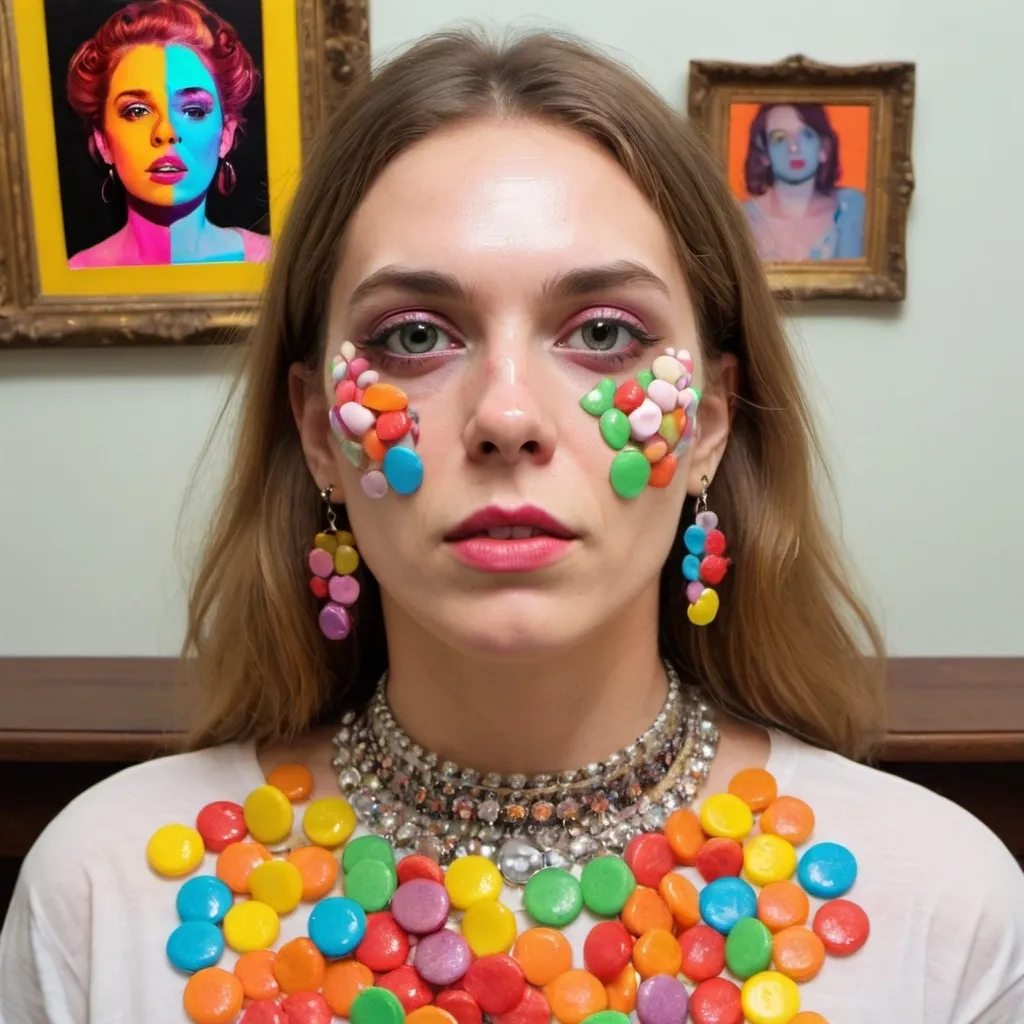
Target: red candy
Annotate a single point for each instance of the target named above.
(405, 982)
(718, 858)
(221, 824)
(307, 1008)
(345, 392)
(319, 586)
(497, 983)
(393, 425)
(459, 1003)
(703, 952)
(842, 926)
(716, 1001)
(607, 950)
(263, 1011)
(713, 569)
(418, 866)
(714, 543)
(385, 945)
(628, 397)
(532, 1009)
(650, 858)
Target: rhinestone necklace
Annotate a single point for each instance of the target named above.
(418, 802)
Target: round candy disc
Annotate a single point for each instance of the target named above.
(681, 898)
(798, 953)
(827, 870)
(719, 858)
(371, 884)
(194, 945)
(768, 858)
(263, 1011)
(685, 835)
(552, 897)
(406, 983)
(630, 472)
(608, 948)
(337, 926)
(376, 1006)
(268, 814)
(220, 824)
(299, 967)
(607, 883)
(781, 905)
(255, 970)
(204, 898)
(213, 996)
(385, 945)
(531, 1009)
(175, 850)
(727, 816)
(343, 982)
(543, 953)
(489, 927)
(756, 787)
(251, 925)
(770, 998)
(716, 1001)
(842, 926)
(294, 780)
(460, 1004)
(278, 884)
(703, 951)
(403, 469)
(418, 866)
(576, 995)
(368, 848)
(329, 822)
(317, 868)
(497, 983)
(748, 949)
(470, 879)
(306, 1008)
(442, 958)
(237, 862)
(657, 952)
(661, 1000)
(607, 1017)
(790, 818)
(420, 905)
(725, 901)
(650, 858)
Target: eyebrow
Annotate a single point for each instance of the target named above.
(193, 90)
(138, 94)
(574, 283)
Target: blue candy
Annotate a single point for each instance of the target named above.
(337, 925)
(827, 870)
(204, 898)
(691, 567)
(695, 538)
(403, 469)
(724, 901)
(194, 945)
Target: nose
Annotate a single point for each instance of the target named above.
(508, 423)
(163, 132)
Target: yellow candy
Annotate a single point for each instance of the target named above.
(669, 430)
(770, 998)
(251, 925)
(726, 816)
(768, 858)
(268, 814)
(489, 927)
(326, 541)
(704, 609)
(346, 560)
(175, 850)
(471, 879)
(329, 822)
(278, 884)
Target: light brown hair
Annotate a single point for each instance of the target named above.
(792, 646)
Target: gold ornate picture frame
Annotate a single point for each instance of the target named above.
(65, 276)
(819, 156)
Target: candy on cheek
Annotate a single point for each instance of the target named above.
(376, 429)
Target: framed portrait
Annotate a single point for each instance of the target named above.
(151, 148)
(819, 157)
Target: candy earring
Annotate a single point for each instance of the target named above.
(332, 562)
(377, 430)
(649, 421)
(705, 564)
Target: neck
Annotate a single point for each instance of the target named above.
(792, 200)
(163, 234)
(552, 713)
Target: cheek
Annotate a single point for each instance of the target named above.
(202, 138)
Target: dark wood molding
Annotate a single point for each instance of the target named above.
(128, 709)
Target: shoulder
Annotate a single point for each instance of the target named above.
(257, 247)
(851, 201)
(103, 254)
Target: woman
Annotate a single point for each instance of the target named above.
(499, 260)
(161, 89)
(797, 212)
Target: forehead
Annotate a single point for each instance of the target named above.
(509, 198)
(158, 68)
(783, 118)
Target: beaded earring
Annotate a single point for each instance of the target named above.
(705, 564)
(332, 561)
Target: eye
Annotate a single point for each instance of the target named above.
(807, 135)
(413, 338)
(607, 334)
(133, 111)
(195, 112)
(776, 137)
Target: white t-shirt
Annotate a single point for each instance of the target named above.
(85, 936)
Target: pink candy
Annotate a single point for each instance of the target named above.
(645, 421)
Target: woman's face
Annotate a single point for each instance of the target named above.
(532, 237)
(163, 127)
(794, 148)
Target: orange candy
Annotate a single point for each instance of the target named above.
(294, 780)
(790, 818)
(798, 953)
(681, 898)
(574, 996)
(236, 862)
(429, 1015)
(622, 991)
(343, 982)
(644, 911)
(255, 970)
(655, 450)
(374, 446)
(808, 1017)
(213, 996)
(299, 967)
(685, 835)
(755, 787)
(663, 471)
(384, 398)
(318, 869)
(782, 905)
(543, 954)
(657, 952)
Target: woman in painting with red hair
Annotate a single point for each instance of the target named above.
(161, 88)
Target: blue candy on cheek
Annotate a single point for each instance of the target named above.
(403, 469)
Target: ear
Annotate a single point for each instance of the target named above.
(714, 421)
(101, 146)
(311, 412)
(227, 136)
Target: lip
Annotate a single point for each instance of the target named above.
(798, 164)
(470, 545)
(169, 162)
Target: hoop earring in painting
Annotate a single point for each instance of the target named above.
(226, 178)
(332, 562)
(110, 181)
(705, 564)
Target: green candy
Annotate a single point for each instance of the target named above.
(368, 848)
(599, 399)
(644, 378)
(748, 949)
(630, 473)
(376, 1006)
(606, 1017)
(615, 428)
(607, 883)
(371, 883)
(553, 897)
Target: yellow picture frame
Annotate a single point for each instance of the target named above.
(311, 51)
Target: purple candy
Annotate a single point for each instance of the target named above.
(693, 591)
(661, 1000)
(334, 622)
(420, 906)
(343, 589)
(442, 958)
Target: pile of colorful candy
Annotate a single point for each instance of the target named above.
(647, 420)
(409, 941)
(332, 562)
(373, 421)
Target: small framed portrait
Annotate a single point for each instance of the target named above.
(151, 150)
(819, 157)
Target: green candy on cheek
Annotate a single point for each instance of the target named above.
(598, 400)
(630, 473)
(615, 428)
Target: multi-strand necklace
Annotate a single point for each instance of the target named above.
(524, 823)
